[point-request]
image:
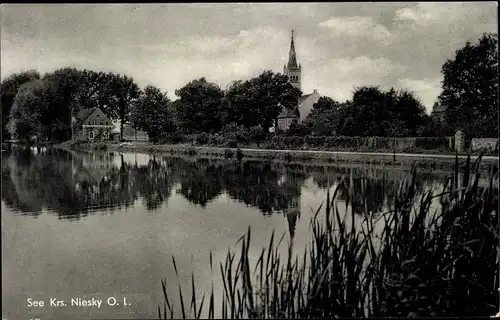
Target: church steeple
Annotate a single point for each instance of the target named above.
(292, 56)
(293, 70)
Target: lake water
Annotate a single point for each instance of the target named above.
(84, 225)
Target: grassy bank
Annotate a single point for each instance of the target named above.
(425, 262)
(290, 156)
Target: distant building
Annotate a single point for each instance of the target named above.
(438, 111)
(306, 102)
(91, 125)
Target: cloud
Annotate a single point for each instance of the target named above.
(356, 26)
(425, 13)
(343, 75)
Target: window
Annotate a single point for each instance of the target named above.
(91, 135)
(106, 135)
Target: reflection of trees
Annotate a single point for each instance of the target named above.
(72, 184)
(200, 182)
(154, 182)
(367, 189)
(260, 186)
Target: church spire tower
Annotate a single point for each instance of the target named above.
(292, 69)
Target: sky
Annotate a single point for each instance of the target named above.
(339, 45)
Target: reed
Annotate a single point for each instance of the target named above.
(423, 262)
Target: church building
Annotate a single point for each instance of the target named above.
(305, 104)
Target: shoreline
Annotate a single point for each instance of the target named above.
(425, 160)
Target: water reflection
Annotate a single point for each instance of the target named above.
(75, 184)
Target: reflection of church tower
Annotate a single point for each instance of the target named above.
(292, 69)
(292, 215)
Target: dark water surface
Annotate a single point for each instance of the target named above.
(100, 225)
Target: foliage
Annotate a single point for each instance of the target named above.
(470, 88)
(373, 112)
(202, 138)
(125, 92)
(42, 108)
(232, 135)
(198, 106)
(239, 154)
(325, 117)
(152, 113)
(174, 138)
(8, 90)
(260, 100)
(228, 153)
(424, 263)
(298, 129)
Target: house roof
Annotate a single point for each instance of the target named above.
(82, 115)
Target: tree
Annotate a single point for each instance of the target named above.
(364, 115)
(123, 93)
(325, 117)
(470, 88)
(43, 107)
(260, 100)
(198, 107)
(8, 90)
(152, 113)
(238, 106)
(373, 112)
(65, 88)
(96, 91)
(29, 113)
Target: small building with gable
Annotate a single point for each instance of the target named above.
(91, 124)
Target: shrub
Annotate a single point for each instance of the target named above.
(297, 129)
(257, 134)
(288, 157)
(231, 143)
(228, 153)
(100, 146)
(239, 154)
(174, 138)
(203, 138)
(192, 151)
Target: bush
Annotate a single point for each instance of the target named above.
(203, 138)
(297, 129)
(192, 151)
(100, 146)
(173, 138)
(239, 154)
(257, 134)
(228, 153)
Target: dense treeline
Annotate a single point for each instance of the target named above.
(36, 105)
